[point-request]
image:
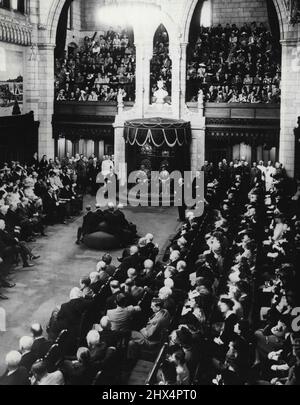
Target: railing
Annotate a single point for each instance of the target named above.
(238, 110)
(86, 108)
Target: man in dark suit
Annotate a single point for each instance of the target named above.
(15, 374)
(54, 210)
(29, 223)
(12, 219)
(66, 178)
(70, 313)
(115, 291)
(181, 278)
(28, 357)
(109, 269)
(98, 216)
(133, 261)
(40, 345)
(9, 245)
(88, 225)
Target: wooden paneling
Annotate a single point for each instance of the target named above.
(88, 108)
(243, 111)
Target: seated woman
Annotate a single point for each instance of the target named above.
(183, 373)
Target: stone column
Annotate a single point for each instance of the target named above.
(182, 94)
(175, 55)
(120, 152)
(197, 149)
(31, 81)
(148, 53)
(290, 102)
(139, 80)
(46, 95)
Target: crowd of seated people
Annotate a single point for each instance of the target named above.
(98, 70)
(219, 301)
(32, 196)
(161, 64)
(233, 64)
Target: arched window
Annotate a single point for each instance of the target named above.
(161, 64)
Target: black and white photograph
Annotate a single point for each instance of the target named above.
(149, 195)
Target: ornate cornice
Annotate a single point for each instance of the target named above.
(14, 31)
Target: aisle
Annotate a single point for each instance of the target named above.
(60, 267)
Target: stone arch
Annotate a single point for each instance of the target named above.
(191, 5)
(53, 17)
(170, 26)
(57, 5)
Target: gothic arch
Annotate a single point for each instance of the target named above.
(53, 17)
(191, 5)
(57, 6)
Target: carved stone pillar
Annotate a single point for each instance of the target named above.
(139, 79)
(175, 55)
(182, 96)
(290, 101)
(46, 94)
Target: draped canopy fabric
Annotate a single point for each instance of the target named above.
(158, 132)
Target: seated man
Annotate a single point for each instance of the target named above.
(15, 374)
(70, 314)
(121, 317)
(102, 354)
(11, 246)
(152, 332)
(80, 371)
(30, 222)
(118, 225)
(28, 357)
(107, 335)
(109, 269)
(147, 275)
(88, 225)
(41, 345)
(55, 210)
(3, 281)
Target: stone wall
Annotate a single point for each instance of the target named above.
(75, 35)
(239, 11)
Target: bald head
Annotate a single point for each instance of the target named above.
(93, 338)
(132, 274)
(13, 360)
(133, 250)
(25, 344)
(148, 264)
(105, 323)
